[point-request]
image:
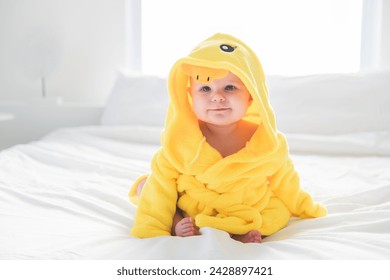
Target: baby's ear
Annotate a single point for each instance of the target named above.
(250, 99)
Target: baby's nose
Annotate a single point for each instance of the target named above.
(218, 97)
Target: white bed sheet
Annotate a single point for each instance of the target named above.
(65, 197)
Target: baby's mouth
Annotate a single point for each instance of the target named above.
(219, 109)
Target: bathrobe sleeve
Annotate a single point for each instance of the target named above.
(285, 184)
(157, 203)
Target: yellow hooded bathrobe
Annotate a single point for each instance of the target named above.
(256, 188)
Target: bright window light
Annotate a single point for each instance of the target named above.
(297, 37)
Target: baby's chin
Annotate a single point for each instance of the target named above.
(223, 122)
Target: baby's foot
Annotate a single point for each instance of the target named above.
(186, 227)
(253, 236)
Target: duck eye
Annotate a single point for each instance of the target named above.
(227, 48)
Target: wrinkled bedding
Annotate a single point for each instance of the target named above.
(65, 197)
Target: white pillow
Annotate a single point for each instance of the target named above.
(316, 104)
(138, 99)
(357, 143)
(332, 103)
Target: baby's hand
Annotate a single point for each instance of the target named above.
(186, 227)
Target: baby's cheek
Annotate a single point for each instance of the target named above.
(197, 109)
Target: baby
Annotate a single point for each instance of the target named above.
(219, 107)
(222, 162)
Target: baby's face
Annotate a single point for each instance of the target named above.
(221, 102)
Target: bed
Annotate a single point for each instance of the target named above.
(65, 196)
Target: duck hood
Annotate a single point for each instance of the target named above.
(212, 59)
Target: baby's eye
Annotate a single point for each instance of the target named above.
(205, 89)
(230, 88)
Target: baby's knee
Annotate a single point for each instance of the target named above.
(140, 186)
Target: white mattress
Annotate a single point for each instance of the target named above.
(65, 197)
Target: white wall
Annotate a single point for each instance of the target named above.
(385, 35)
(30, 122)
(76, 44)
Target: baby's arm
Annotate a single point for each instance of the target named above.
(285, 184)
(157, 203)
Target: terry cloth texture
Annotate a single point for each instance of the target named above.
(256, 188)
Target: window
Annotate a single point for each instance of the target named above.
(290, 37)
